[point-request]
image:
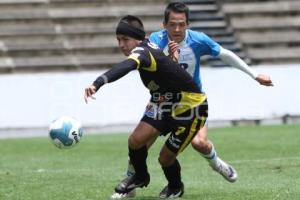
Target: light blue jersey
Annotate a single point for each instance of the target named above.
(195, 45)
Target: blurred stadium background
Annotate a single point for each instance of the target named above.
(52, 49)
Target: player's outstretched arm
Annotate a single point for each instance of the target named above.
(117, 71)
(233, 60)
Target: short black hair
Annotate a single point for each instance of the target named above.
(177, 7)
(133, 21)
(131, 26)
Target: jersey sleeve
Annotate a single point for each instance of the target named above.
(116, 72)
(208, 45)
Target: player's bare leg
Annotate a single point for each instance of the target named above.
(205, 147)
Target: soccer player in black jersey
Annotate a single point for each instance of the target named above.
(182, 106)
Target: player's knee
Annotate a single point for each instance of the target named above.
(134, 142)
(166, 160)
(200, 144)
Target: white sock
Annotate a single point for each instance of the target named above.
(212, 157)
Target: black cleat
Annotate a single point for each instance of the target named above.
(168, 193)
(130, 183)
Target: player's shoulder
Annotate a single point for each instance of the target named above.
(160, 38)
(138, 49)
(145, 46)
(144, 50)
(159, 35)
(197, 36)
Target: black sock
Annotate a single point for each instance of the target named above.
(138, 159)
(173, 175)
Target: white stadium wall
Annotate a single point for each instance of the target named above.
(34, 100)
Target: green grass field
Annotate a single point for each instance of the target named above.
(267, 159)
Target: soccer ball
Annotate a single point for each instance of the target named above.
(65, 132)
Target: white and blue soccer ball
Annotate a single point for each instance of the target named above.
(65, 132)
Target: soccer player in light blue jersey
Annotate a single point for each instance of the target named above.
(187, 47)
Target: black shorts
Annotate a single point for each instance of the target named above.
(182, 129)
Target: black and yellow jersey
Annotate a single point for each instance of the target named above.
(165, 79)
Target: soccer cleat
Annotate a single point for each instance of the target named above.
(130, 183)
(227, 171)
(169, 193)
(117, 195)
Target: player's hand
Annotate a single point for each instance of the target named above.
(264, 80)
(89, 92)
(174, 50)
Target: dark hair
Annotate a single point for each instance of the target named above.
(131, 26)
(133, 21)
(177, 7)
